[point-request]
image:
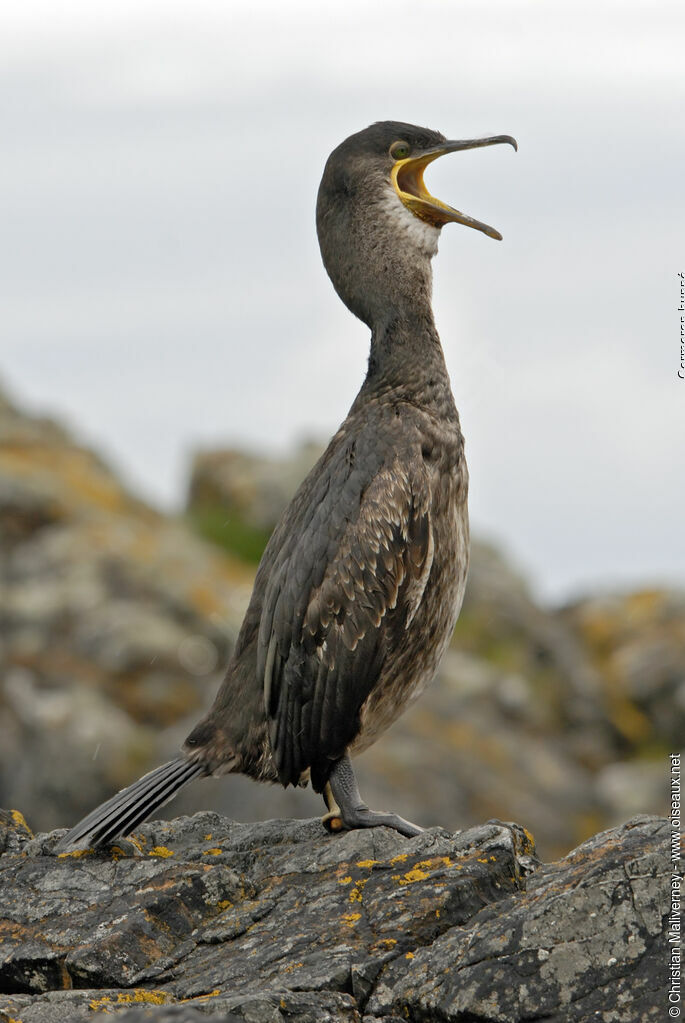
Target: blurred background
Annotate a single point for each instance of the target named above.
(173, 358)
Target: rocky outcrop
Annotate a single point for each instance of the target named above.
(203, 918)
(635, 643)
(115, 622)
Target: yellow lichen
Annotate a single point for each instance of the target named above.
(411, 876)
(436, 861)
(293, 966)
(161, 850)
(409, 955)
(201, 998)
(100, 1003)
(351, 918)
(356, 893)
(19, 819)
(137, 996)
(117, 852)
(210, 994)
(399, 859)
(365, 864)
(75, 854)
(149, 997)
(345, 880)
(208, 838)
(212, 852)
(530, 836)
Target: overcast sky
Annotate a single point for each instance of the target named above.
(161, 287)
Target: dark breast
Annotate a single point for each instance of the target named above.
(355, 599)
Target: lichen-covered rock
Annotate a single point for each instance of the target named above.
(115, 621)
(637, 644)
(204, 918)
(586, 941)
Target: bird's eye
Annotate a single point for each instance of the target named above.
(400, 150)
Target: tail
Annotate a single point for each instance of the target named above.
(125, 811)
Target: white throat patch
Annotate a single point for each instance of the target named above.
(420, 235)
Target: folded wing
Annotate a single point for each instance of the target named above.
(337, 604)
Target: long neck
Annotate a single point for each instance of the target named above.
(406, 360)
(378, 256)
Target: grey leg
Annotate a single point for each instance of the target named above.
(353, 812)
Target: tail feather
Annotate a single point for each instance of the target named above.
(132, 812)
(125, 810)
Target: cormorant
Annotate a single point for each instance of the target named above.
(360, 585)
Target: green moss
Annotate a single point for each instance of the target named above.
(227, 530)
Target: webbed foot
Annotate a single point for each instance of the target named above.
(347, 810)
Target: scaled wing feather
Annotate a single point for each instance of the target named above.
(348, 590)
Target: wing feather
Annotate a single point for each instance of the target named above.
(341, 596)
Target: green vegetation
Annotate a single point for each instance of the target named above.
(228, 531)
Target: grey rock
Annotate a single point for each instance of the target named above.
(637, 643)
(205, 918)
(585, 941)
(115, 621)
(624, 788)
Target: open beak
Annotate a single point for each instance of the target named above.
(407, 179)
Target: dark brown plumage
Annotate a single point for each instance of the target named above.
(361, 583)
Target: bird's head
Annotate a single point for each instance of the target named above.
(378, 224)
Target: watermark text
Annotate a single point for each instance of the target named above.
(676, 886)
